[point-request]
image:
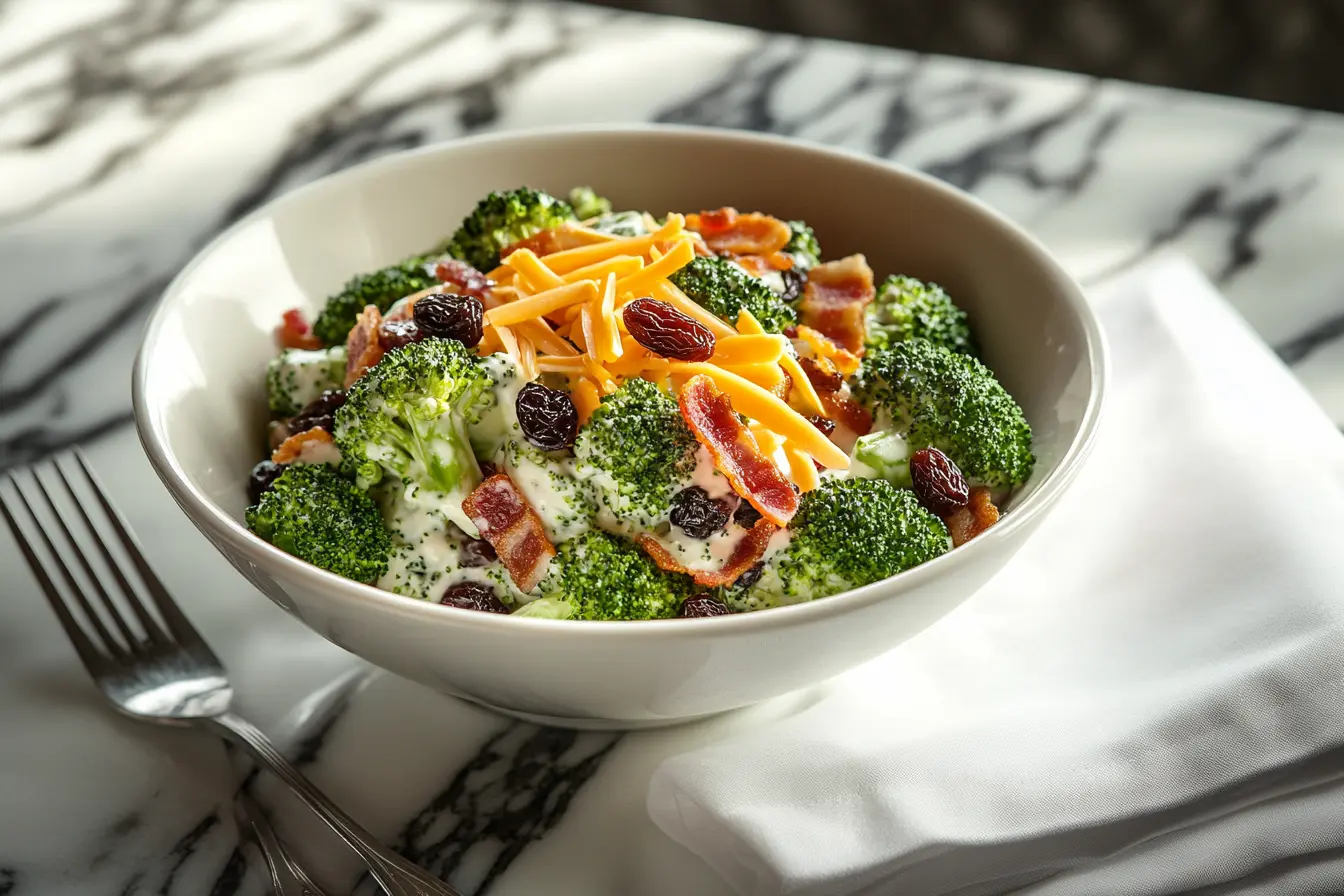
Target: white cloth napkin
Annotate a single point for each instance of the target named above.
(1149, 699)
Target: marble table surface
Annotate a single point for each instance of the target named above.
(131, 132)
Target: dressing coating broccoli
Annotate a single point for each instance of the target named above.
(603, 576)
(803, 246)
(938, 398)
(634, 450)
(587, 204)
(906, 308)
(297, 376)
(724, 289)
(504, 218)
(847, 533)
(407, 419)
(317, 515)
(381, 288)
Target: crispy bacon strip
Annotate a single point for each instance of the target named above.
(544, 242)
(290, 449)
(512, 527)
(977, 516)
(843, 409)
(834, 300)
(709, 413)
(294, 331)
(746, 554)
(362, 348)
(758, 265)
(727, 232)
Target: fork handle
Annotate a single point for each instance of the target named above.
(396, 875)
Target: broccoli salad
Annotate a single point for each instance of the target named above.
(575, 412)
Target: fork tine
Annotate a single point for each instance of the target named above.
(150, 624)
(177, 622)
(112, 609)
(94, 660)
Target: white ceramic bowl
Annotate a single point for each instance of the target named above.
(201, 411)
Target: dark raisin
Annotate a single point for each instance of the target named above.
(488, 469)
(477, 552)
(794, 281)
(261, 478)
(700, 605)
(746, 515)
(547, 416)
(451, 317)
(320, 412)
(938, 483)
(791, 331)
(473, 596)
(826, 426)
(397, 333)
(698, 515)
(750, 577)
(665, 331)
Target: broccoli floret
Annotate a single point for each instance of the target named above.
(634, 450)
(502, 219)
(602, 576)
(295, 377)
(381, 288)
(937, 397)
(587, 204)
(803, 246)
(906, 308)
(407, 418)
(847, 533)
(724, 289)
(314, 513)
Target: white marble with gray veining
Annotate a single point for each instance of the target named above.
(131, 132)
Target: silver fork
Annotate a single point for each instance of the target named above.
(159, 669)
(287, 876)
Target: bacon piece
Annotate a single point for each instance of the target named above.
(544, 242)
(728, 233)
(512, 527)
(746, 554)
(290, 449)
(759, 265)
(977, 516)
(709, 414)
(463, 278)
(834, 300)
(362, 348)
(843, 409)
(294, 331)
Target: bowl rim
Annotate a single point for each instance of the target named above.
(219, 526)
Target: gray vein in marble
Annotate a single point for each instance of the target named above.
(511, 793)
(1247, 213)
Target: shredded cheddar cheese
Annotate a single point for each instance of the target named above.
(560, 314)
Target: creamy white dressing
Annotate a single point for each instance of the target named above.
(303, 375)
(498, 424)
(430, 568)
(774, 280)
(550, 487)
(320, 453)
(707, 476)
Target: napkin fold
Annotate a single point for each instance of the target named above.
(1147, 700)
